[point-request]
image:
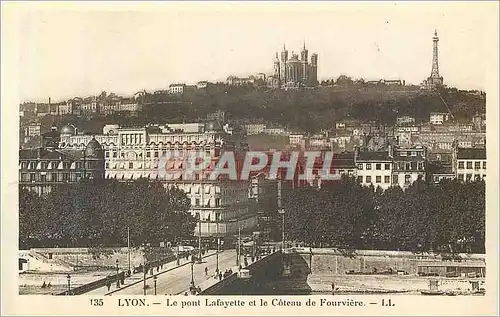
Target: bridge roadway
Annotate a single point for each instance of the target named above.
(177, 281)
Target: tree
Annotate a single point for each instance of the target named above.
(100, 212)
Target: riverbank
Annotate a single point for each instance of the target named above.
(366, 284)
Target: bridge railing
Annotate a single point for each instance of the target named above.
(94, 285)
(233, 277)
(113, 278)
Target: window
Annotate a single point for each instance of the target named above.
(217, 202)
(148, 154)
(387, 179)
(387, 166)
(413, 153)
(65, 177)
(360, 179)
(368, 166)
(468, 177)
(460, 177)
(107, 154)
(24, 165)
(156, 153)
(461, 164)
(43, 178)
(477, 177)
(477, 165)
(408, 166)
(32, 165)
(43, 165)
(368, 179)
(130, 165)
(407, 179)
(66, 165)
(395, 179)
(360, 166)
(78, 165)
(197, 202)
(378, 179)
(469, 164)
(54, 177)
(32, 177)
(484, 164)
(378, 166)
(107, 165)
(115, 154)
(420, 165)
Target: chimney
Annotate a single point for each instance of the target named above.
(49, 100)
(391, 151)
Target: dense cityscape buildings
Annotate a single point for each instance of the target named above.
(373, 153)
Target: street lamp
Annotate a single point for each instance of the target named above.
(69, 283)
(238, 250)
(192, 272)
(144, 272)
(128, 247)
(218, 241)
(178, 254)
(154, 279)
(117, 277)
(199, 237)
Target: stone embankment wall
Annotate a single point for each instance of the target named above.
(316, 271)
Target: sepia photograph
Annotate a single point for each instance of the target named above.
(280, 150)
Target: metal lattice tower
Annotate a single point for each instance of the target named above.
(435, 64)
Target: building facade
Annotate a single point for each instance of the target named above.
(40, 170)
(374, 168)
(470, 164)
(409, 165)
(131, 153)
(176, 88)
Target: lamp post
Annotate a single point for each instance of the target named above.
(178, 254)
(144, 273)
(154, 279)
(69, 283)
(282, 212)
(128, 247)
(199, 237)
(117, 277)
(218, 242)
(238, 251)
(192, 272)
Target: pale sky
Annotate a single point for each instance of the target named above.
(82, 49)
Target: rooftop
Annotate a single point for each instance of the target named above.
(374, 156)
(471, 153)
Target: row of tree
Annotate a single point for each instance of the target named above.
(100, 212)
(447, 217)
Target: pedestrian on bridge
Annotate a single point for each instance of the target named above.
(206, 271)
